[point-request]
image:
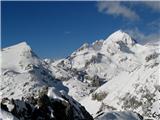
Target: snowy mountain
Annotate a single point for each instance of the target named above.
(115, 78)
(125, 74)
(23, 72)
(134, 82)
(29, 91)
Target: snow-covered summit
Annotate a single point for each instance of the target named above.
(25, 81)
(22, 45)
(119, 42)
(132, 74)
(129, 69)
(120, 36)
(112, 74)
(18, 57)
(23, 72)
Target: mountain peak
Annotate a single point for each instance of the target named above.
(120, 36)
(22, 54)
(22, 45)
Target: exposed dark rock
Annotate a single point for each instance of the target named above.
(43, 107)
(151, 56)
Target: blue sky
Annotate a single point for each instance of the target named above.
(56, 29)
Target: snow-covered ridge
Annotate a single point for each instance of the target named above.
(127, 66)
(104, 76)
(18, 57)
(22, 45)
(120, 36)
(105, 58)
(23, 72)
(22, 81)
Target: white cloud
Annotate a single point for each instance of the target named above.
(143, 38)
(154, 25)
(155, 5)
(116, 8)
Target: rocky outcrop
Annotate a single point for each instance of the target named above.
(45, 107)
(119, 115)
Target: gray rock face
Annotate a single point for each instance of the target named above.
(119, 116)
(43, 107)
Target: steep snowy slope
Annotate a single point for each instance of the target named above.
(115, 74)
(137, 91)
(23, 73)
(129, 70)
(71, 78)
(30, 91)
(103, 60)
(18, 57)
(137, 86)
(117, 54)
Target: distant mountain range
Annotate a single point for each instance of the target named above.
(114, 79)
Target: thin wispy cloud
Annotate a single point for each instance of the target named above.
(154, 25)
(116, 8)
(144, 38)
(155, 5)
